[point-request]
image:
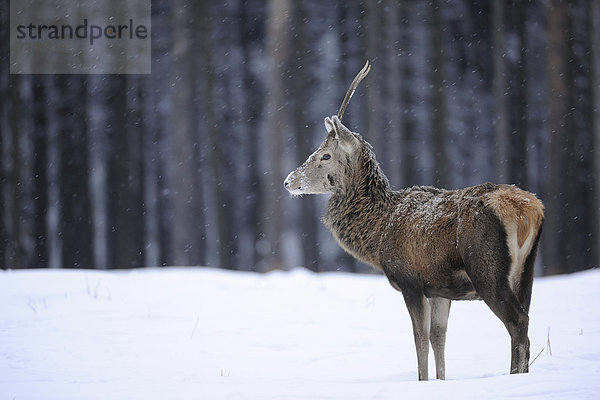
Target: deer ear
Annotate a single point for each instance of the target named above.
(342, 132)
(347, 139)
(329, 125)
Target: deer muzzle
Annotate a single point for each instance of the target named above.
(293, 183)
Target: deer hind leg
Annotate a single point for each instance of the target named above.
(524, 293)
(497, 294)
(420, 315)
(487, 262)
(440, 310)
(506, 307)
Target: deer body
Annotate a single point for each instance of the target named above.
(433, 245)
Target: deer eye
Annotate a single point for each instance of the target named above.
(326, 156)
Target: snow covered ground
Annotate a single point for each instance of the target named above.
(209, 334)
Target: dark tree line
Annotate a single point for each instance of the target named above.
(185, 166)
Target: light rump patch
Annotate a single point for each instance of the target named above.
(516, 206)
(521, 214)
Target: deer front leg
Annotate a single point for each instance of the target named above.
(420, 315)
(440, 310)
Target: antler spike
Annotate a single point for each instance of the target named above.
(359, 77)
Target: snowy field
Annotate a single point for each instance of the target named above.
(209, 334)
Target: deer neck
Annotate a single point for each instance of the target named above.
(355, 212)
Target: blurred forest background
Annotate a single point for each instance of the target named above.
(185, 166)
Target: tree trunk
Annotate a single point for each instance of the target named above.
(133, 210)
(276, 126)
(578, 172)
(440, 168)
(393, 106)
(517, 92)
(10, 210)
(40, 184)
(19, 177)
(372, 108)
(307, 223)
(594, 13)
(76, 224)
(501, 131)
(554, 230)
(188, 243)
(122, 192)
(254, 98)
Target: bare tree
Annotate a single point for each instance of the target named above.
(578, 173)
(555, 197)
(501, 125)
(594, 13)
(517, 92)
(19, 170)
(438, 102)
(188, 243)
(251, 43)
(40, 177)
(374, 33)
(76, 224)
(301, 84)
(277, 47)
(394, 150)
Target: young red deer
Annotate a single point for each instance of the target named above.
(433, 245)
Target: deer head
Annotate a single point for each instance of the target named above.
(326, 168)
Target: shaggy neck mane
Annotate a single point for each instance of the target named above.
(367, 182)
(356, 209)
